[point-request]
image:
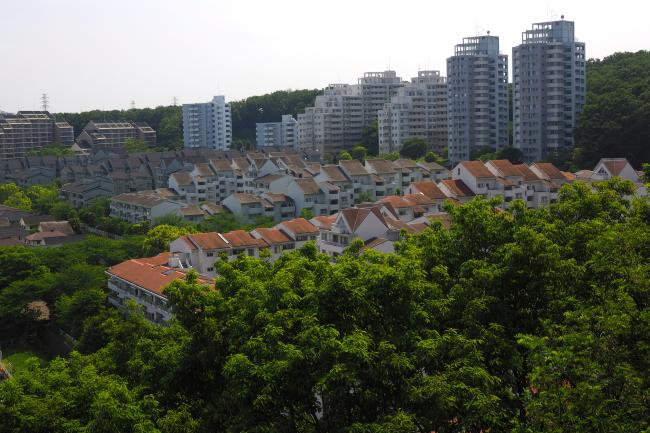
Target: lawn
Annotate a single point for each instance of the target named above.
(18, 357)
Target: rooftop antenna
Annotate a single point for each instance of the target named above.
(45, 101)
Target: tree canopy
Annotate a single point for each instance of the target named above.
(523, 320)
(614, 122)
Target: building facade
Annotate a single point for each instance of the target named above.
(27, 131)
(113, 135)
(419, 109)
(549, 79)
(277, 134)
(208, 124)
(477, 83)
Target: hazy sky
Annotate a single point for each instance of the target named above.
(91, 54)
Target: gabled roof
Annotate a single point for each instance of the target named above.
(354, 217)
(381, 166)
(334, 173)
(458, 188)
(272, 236)
(308, 186)
(56, 226)
(430, 189)
(614, 165)
(245, 198)
(277, 198)
(299, 226)
(204, 169)
(208, 241)
(323, 221)
(151, 273)
(39, 236)
(505, 167)
(182, 178)
(241, 238)
(354, 168)
(527, 173)
(549, 170)
(221, 165)
(476, 169)
(191, 210)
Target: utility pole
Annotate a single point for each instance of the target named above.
(45, 101)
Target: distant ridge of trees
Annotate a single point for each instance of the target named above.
(616, 117)
(168, 120)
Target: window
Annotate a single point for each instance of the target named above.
(210, 254)
(210, 269)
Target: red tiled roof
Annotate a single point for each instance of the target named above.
(418, 198)
(551, 171)
(300, 226)
(208, 241)
(356, 216)
(430, 189)
(39, 236)
(505, 167)
(569, 176)
(150, 273)
(272, 236)
(458, 187)
(334, 173)
(614, 165)
(526, 172)
(354, 167)
(476, 169)
(325, 221)
(241, 238)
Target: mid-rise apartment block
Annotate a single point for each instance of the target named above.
(549, 76)
(277, 134)
(335, 122)
(27, 131)
(477, 83)
(208, 124)
(419, 109)
(113, 135)
(338, 117)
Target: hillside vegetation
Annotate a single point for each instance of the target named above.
(616, 117)
(526, 320)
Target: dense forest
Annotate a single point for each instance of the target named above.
(616, 117)
(525, 320)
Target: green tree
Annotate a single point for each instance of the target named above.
(370, 138)
(306, 213)
(7, 190)
(510, 153)
(19, 200)
(358, 152)
(134, 145)
(413, 148)
(614, 119)
(159, 237)
(433, 157)
(344, 156)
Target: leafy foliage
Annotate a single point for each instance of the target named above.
(520, 320)
(413, 148)
(614, 122)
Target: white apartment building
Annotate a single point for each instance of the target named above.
(419, 109)
(338, 117)
(208, 124)
(477, 84)
(277, 134)
(549, 79)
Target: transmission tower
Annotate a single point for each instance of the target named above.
(132, 105)
(45, 101)
(175, 103)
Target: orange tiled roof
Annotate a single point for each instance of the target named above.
(150, 273)
(300, 226)
(430, 189)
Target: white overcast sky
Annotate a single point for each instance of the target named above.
(92, 54)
